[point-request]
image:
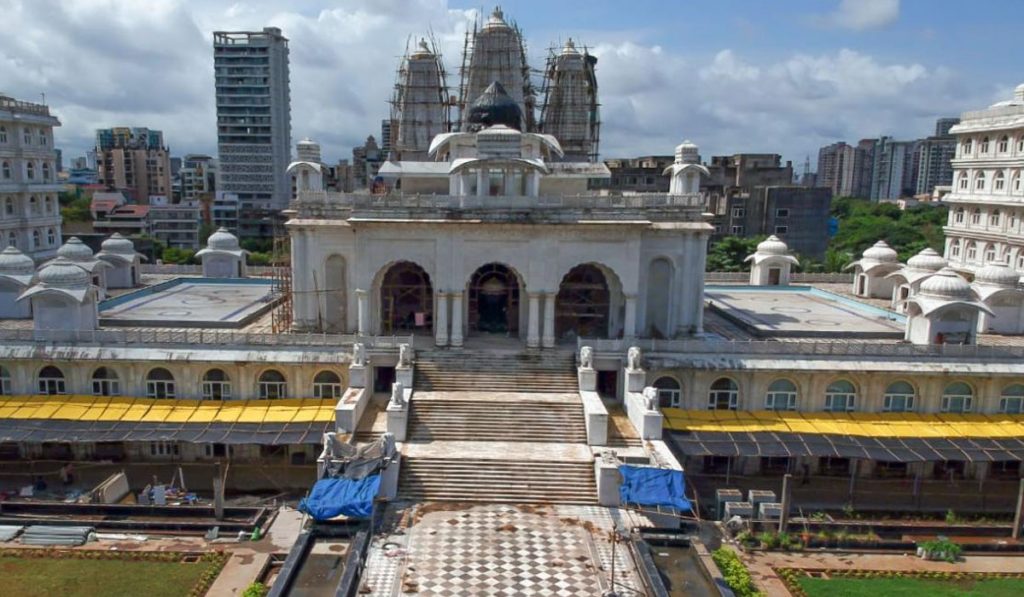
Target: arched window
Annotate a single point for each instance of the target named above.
(327, 384)
(958, 215)
(6, 167)
(979, 182)
(991, 254)
(35, 239)
(957, 398)
(899, 398)
(160, 384)
(5, 381)
(51, 237)
(105, 382)
(670, 393)
(30, 170)
(216, 385)
(781, 395)
(972, 250)
(46, 171)
(967, 147)
(27, 136)
(1020, 144)
(51, 381)
(9, 206)
(3, 134)
(1016, 182)
(976, 216)
(12, 239)
(984, 145)
(1011, 401)
(954, 248)
(964, 180)
(840, 396)
(1020, 262)
(994, 217)
(999, 182)
(42, 137)
(272, 385)
(724, 395)
(1004, 144)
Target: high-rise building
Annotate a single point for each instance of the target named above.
(385, 137)
(366, 161)
(846, 169)
(253, 125)
(894, 169)
(935, 166)
(29, 212)
(135, 161)
(198, 176)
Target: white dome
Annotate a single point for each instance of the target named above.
(497, 20)
(881, 251)
(948, 284)
(1018, 93)
(772, 245)
(75, 250)
(15, 263)
(996, 274)
(570, 48)
(62, 273)
(222, 240)
(118, 244)
(927, 260)
(686, 152)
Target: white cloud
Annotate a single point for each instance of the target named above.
(124, 62)
(862, 14)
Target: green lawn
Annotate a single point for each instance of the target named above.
(100, 578)
(910, 587)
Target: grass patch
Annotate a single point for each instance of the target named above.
(111, 574)
(909, 587)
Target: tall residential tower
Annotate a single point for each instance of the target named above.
(253, 124)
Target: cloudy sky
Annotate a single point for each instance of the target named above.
(732, 75)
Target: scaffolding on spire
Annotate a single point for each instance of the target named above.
(420, 105)
(571, 112)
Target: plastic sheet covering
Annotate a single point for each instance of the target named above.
(9, 532)
(648, 486)
(341, 497)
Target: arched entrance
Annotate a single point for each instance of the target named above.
(406, 300)
(583, 304)
(494, 300)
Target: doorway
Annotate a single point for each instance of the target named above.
(494, 300)
(383, 378)
(608, 384)
(774, 276)
(406, 300)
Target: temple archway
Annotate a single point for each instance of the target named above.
(494, 300)
(406, 300)
(583, 304)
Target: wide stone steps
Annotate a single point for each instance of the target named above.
(495, 481)
(496, 371)
(489, 420)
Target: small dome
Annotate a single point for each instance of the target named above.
(222, 240)
(927, 260)
(997, 274)
(570, 48)
(75, 250)
(947, 284)
(881, 251)
(1018, 93)
(63, 273)
(497, 20)
(118, 244)
(687, 152)
(494, 106)
(772, 245)
(15, 263)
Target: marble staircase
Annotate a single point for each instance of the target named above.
(512, 417)
(470, 479)
(480, 370)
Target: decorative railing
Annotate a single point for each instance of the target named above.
(170, 269)
(188, 338)
(805, 278)
(699, 347)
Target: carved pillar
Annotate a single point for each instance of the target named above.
(456, 335)
(533, 321)
(629, 325)
(441, 320)
(548, 338)
(363, 306)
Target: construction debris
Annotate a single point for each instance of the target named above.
(9, 532)
(49, 535)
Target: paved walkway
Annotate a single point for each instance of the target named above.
(457, 549)
(761, 564)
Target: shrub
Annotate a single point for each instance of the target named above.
(735, 573)
(256, 589)
(944, 548)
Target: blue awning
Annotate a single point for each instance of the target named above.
(647, 486)
(336, 497)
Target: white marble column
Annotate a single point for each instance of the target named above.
(441, 320)
(456, 335)
(629, 325)
(533, 320)
(481, 182)
(548, 338)
(363, 306)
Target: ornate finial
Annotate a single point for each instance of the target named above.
(497, 14)
(423, 45)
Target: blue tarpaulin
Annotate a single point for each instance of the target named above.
(335, 497)
(647, 486)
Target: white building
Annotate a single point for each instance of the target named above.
(987, 201)
(29, 212)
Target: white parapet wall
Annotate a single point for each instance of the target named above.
(596, 416)
(350, 409)
(647, 422)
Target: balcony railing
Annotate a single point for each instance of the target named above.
(190, 338)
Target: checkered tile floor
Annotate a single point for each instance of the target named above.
(500, 550)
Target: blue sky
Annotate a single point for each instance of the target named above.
(732, 75)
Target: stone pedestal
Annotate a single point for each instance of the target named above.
(606, 474)
(403, 375)
(350, 409)
(358, 376)
(636, 379)
(398, 421)
(587, 379)
(389, 479)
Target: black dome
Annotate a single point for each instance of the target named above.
(494, 106)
